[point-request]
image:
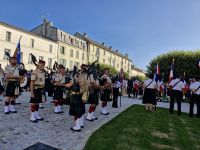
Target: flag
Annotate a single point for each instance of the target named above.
(157, 72)
(171, 74)
(17, 53)
(7, 54)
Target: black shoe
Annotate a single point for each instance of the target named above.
(105, 114)
(75, 130)
(41, 119)
(61, 112)
(56, 112)
(17, 103)
(6, 113)
(90, 120)
(82, 126)
(13, 111)
(34, 121)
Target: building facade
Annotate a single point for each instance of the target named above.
(30, 43)
(51, 44)
(136, 72)
(105, 55)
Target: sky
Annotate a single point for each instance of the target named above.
(141, 28)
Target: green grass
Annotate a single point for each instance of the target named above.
(137, 129)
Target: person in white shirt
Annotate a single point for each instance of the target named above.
(149, 96)
(177, 86)
(116, 87)
(195, 97)
(124, 87)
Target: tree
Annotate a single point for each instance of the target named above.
(185, 62)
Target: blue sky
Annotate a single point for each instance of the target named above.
(141, 28)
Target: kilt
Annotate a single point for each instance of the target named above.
(10, 89)
(105, 95)
(76, 106)
(149, 96)
(94, 97)
(38, 95)
(58, 93)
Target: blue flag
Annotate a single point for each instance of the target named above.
(18, 53)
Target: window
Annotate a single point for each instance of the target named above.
(117, 65)
(71, 64)
(77, 42)
(49, 62)
(29, 59)
(5, 57)
(41, 58)
(72, 41)
(104, 61)
(71, 53)
(62, 50)
(32, 43)
(77, 54)
(50, 48)
(83, 56)
(8, 36)
(104, 53)
(98, 52)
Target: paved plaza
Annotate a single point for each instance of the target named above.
(17, 133)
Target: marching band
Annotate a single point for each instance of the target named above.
(85, 86)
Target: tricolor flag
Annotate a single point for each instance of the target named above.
(171, 74)
(17, 53)
(157, 72)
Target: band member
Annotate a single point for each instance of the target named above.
(79, 90)
(37, 86)
(195, 97)
(149, 96)
(12, 89)
(93, 99)
(135, 88)
(116, 88)
(1, 82)
(176, 86)
(105, 93)
(59, 93)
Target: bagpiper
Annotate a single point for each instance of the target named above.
(37, 86)
(79, 90)
(12, 89)
(106, 92)
(59, 93)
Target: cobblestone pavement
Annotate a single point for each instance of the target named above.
(17, 133)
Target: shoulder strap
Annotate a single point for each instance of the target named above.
(175, 84)
(197, 89)
(149, 84)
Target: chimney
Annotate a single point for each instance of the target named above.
(126, 55)
(85, 34)
(117, 50)
(103, 43)
(110, 47)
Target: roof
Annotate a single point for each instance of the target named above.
(100, 45)
(25, 31)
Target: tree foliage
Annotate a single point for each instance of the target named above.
(185, 62)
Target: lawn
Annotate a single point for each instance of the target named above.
(137, 129)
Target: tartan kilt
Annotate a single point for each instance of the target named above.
(105, 95)
(149, 96)
(38, 95)
(76, 106)
(93, 99)
(58, 93)
(10, 89)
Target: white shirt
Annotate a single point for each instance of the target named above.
(153, 85)
(179, 86)
(194, 86)
(124, 83)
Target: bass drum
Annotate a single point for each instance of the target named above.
(23, 81)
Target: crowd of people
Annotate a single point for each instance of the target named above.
(73, 88)
(84, 87)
